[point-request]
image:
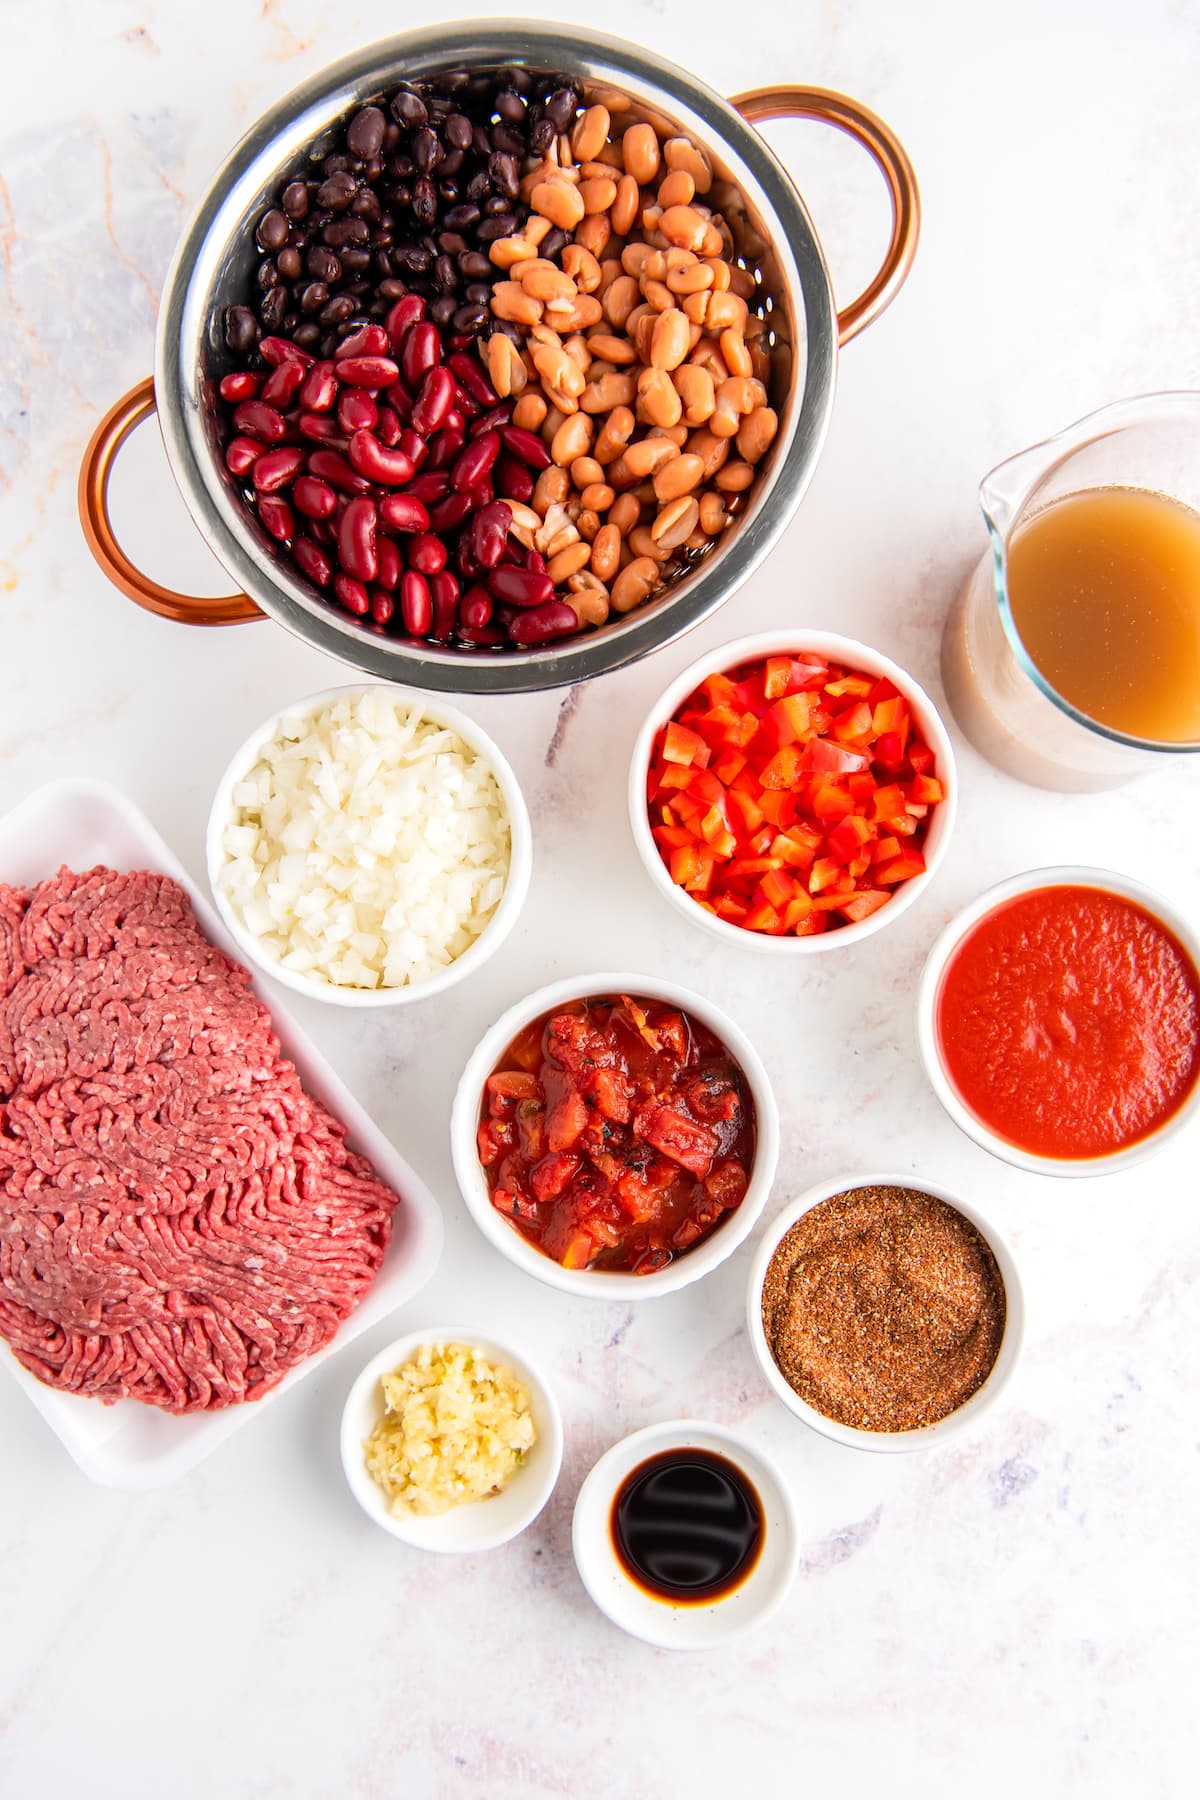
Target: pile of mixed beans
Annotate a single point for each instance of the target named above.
(506, 373)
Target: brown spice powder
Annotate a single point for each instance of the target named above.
(884, 1308)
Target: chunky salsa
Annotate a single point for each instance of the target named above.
(792, 796)
(1068, 1022)
(615, 1133)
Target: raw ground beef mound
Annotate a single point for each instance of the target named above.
(180, 1223)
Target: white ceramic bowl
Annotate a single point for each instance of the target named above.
(498, 926)
(475, 1525)
(836, 649)
(1108, 881)
(929, 1436)
(599, 1284)
(696, 1625)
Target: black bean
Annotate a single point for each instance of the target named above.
(454, 81)
(400, 197)
(366, 132)
(475, 266)
(268, 275)
(348, 230)
(365, 205)
(505, 138)
(452, 243)
(471, 318)
(443, 310)
(505, 172)
(424, 203)
(554, 241)
(403, 167)
(290, 264)
(413, 257)
(273, 230)
(322, 264)
(560, 107)
(460, 218)
(338, 164)
(408, 108)
(482, 141)
(273, 307)
(337, 192)
(307, 334)
(514, 333)
(509, 104)
(451, 164)
(295, 200)
(339, 308)
(448, 191)
(427, 149)
(478, 293)
(503, 225)
(541, 136)
(391, 137)
(313, 297)
(494, 205)
(241, 329)
(391, 289)
(479, 186)
(356, 260)
(458, 131)
(445, 273)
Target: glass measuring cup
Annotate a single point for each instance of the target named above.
(1001, 699)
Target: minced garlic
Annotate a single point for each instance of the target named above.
(455, 1428)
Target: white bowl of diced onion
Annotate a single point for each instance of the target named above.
(368, 846)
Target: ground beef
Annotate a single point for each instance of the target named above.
(180, 1223)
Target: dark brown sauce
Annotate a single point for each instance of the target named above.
(687, 1526)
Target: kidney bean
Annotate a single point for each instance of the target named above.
(279, 350)
(282, 383)
(464, 406)
(321, 429)
(382, 605)
(400, 401)
(408, 310)
(489, 533)
(276, 469)
(434, 401)
(276, 515)
(319, 389)
(487, 638)
(368, 371)
(391, 564)
(390, 468)
(525, 446)
(416, 603)
(352, 594)
(241, 453)
(475, 461)
(520, 587)
(533, 559)
(328, 465)
(368, 340)
(470, 374)
(475, 608)
(241, 385)
(254, 418)
(312, 561)
(388, 428)
(449, 512)
(356, 539)
(420, 351)
(426, 554)
(513, 480)
(403, 512)
(356, 411)
(456, 419)
(430, 486)
(444, 591)
(315, 499)
(413, 446)
(445, 448)
(543, 624)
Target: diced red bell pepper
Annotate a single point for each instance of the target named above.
(899, 868)
(682, 745)
(820, 757)
(863, 904)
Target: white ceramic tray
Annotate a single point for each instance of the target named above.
(129, 1445)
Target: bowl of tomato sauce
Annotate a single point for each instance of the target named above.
(1058, 1018)
(615, 1135)
(792, 792)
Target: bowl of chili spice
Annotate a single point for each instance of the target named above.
(615, 1136)
(885, 1312)
(792, 792)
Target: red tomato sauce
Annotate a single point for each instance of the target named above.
(615, 1133)
(1068, 1022)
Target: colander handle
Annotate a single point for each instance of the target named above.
(888, 153)
(95, 470)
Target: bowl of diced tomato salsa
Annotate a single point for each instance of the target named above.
(615, 1135)
(793, 791)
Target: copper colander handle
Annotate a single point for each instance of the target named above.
(888, 153)
(95, 470)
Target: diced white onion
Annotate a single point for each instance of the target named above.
(368, 846)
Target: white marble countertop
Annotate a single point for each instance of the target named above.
(1014, 1612)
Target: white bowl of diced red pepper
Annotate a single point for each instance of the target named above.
(615, 1136)
(793, 791)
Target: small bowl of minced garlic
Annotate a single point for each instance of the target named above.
(451, 1441)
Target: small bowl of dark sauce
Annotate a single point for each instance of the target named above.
(685, 1535)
